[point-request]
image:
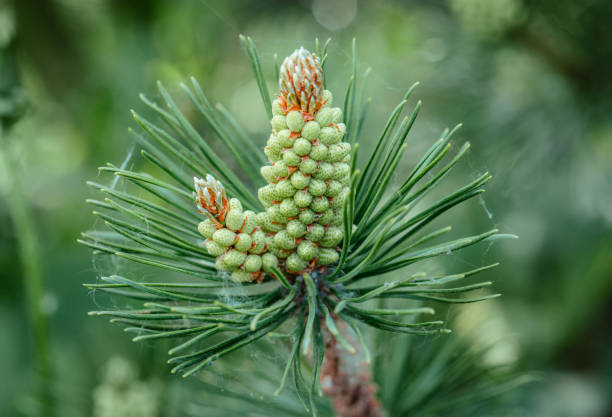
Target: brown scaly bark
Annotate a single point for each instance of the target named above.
(347, 381)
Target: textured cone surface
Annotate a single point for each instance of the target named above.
(301, 81)
(232, 234)
(309, 169)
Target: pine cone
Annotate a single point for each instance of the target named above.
(309, 169)
(232, 234)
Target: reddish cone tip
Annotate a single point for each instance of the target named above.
(301, 81)
(210, 197)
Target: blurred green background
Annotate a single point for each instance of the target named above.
(530, 80)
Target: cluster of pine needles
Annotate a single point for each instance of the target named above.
(151, 220)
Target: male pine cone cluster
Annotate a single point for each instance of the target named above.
(232, 234)
(308, 176)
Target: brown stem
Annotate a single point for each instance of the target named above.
(346, 379)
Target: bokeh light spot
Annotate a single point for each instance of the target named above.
(334, 15)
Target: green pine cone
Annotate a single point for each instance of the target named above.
(309, 169)
(308, 180)
(232, 235)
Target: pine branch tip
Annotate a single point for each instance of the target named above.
(352, 220)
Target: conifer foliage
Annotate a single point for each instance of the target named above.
(307, 254)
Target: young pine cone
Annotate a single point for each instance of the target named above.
(309, 169)
(231, 233)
